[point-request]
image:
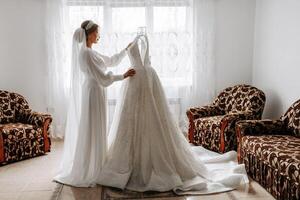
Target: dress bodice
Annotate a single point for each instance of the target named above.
(139, 57)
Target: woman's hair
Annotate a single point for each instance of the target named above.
(93, 28)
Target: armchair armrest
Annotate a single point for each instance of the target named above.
(199, 112)
(234, 116)
(257, 127)
(260, 127)
(228, 122)
(35, 118)
(42, 120)
(204, 111)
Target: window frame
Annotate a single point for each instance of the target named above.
(107, 13)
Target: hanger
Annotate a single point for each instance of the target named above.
(142, 35)
(142, 31)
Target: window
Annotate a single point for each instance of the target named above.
(120, 16)
(167, 19)
(77, 14)
(168, 29)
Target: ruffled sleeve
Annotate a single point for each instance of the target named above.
(96, 66)
(113, 60)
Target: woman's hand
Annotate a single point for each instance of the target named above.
(129, 73)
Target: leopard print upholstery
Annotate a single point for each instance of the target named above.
(35, 118)
(261, 127)
(213, 126)
(23, 133)
(210, 138)
(21, 141)
(292, 118)
(270, 150)
(241, 98)
(10, 106)
(274, 162)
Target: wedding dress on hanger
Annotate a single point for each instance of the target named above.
(147, 150)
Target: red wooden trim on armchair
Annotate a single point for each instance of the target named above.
(191, 127)
(239, 140)
(224, 124)
(45, 134)
(1, 148)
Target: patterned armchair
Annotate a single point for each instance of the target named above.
(23, 133)
(270, 150)
(213, 126)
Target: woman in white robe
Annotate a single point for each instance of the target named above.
(85, 142)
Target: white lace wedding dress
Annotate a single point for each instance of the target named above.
(147, 149)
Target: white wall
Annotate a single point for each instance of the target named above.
(22, 52)
(234, 42)
(276, 67)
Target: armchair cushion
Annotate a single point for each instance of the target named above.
(280, 152)
(21, 141)
(216, 131)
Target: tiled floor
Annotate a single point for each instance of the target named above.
(32, 180)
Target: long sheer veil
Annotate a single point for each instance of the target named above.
(74, 109)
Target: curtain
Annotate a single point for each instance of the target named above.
(58, 67)
(181, 36)
(203, 87)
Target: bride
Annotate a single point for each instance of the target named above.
(85, 139)
(147, 150)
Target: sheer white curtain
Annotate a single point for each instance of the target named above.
(202, 89)
(203, 86)
(181, 36)
(58, 67)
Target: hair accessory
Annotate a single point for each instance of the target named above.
(89, 25)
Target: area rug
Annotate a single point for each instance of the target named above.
(109, 193)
